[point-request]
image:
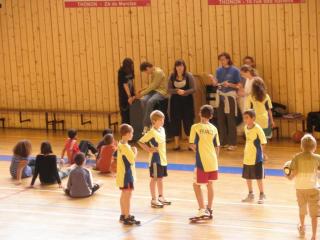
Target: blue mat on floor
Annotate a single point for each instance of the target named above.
(187, 167)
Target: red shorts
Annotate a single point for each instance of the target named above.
(201, 177)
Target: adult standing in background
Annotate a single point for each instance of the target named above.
(228, 79)
(126, 88)
(155, 92)
(181, 87)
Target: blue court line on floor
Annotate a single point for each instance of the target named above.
(187, 167)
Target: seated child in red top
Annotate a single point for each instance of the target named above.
(71, 147)
(106, 154)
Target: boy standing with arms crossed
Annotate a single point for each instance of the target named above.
(204, 140)
(154, 142)
(126, 172)
(304, 167)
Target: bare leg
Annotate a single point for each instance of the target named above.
(210, 194)
(153, 188)
(260, 185)
(249, 184)
(199, 196)
(160, 186)
(314, 221)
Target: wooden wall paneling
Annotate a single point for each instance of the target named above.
(103, 95)
(5, 69)
(38, 82)
(83, 90)
(314, 71)
(184, 32)
(235, 36)
(142, 45)
(13, 64)
(175, 12)
(72, 64)
(24, 61)
(250, 30)
(282, 61)
(31, 62)
(258, 39)
(89, 83)
(213, 36)
(227, 29)
(242, 31)
(170, 44)
(57, 93)
(137, 34)
(220, 29)
(97, 76)
(63, 79)
(163, 36)
(156, 33)
(298, 74)
(266, 53)
(205, 26)
(191, 36)
(198, 44)
(305, 82)
(48, 37)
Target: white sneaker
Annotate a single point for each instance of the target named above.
(203, 213)
(156, 204)
(164, 201)
(262, 197)
(249, 198)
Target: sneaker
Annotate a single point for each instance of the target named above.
(164, 201)
(302, 230)
(232, 148)
(128, 221)
(262, 197)
(203, 213)
(122, 218)
(249, 198)
(156, 204)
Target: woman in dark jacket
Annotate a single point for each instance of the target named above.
(181, 87)
(126, 88)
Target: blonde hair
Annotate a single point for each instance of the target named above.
(156, 115)
(308, 143)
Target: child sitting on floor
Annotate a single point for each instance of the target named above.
(80, 183)
(71, 147)
(21, 166)
(106, 154)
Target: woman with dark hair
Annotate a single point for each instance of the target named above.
(248, 60)
(181, 87)
(227, 79)
(46, 167)
(21, 166)
(126, 88)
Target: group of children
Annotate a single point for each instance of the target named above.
(204, 141)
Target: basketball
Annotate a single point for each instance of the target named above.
(296, 137)
(287, 168)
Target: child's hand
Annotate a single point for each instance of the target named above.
(153, 150)
(193, 147)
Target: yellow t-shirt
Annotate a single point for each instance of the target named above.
(261, 109)
(206, 138)
(126, 172)
(156, 138)
(254, 139)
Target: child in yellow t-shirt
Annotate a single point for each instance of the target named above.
(253, 155)
(154, 142)
(126, 155)
(204, 140)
